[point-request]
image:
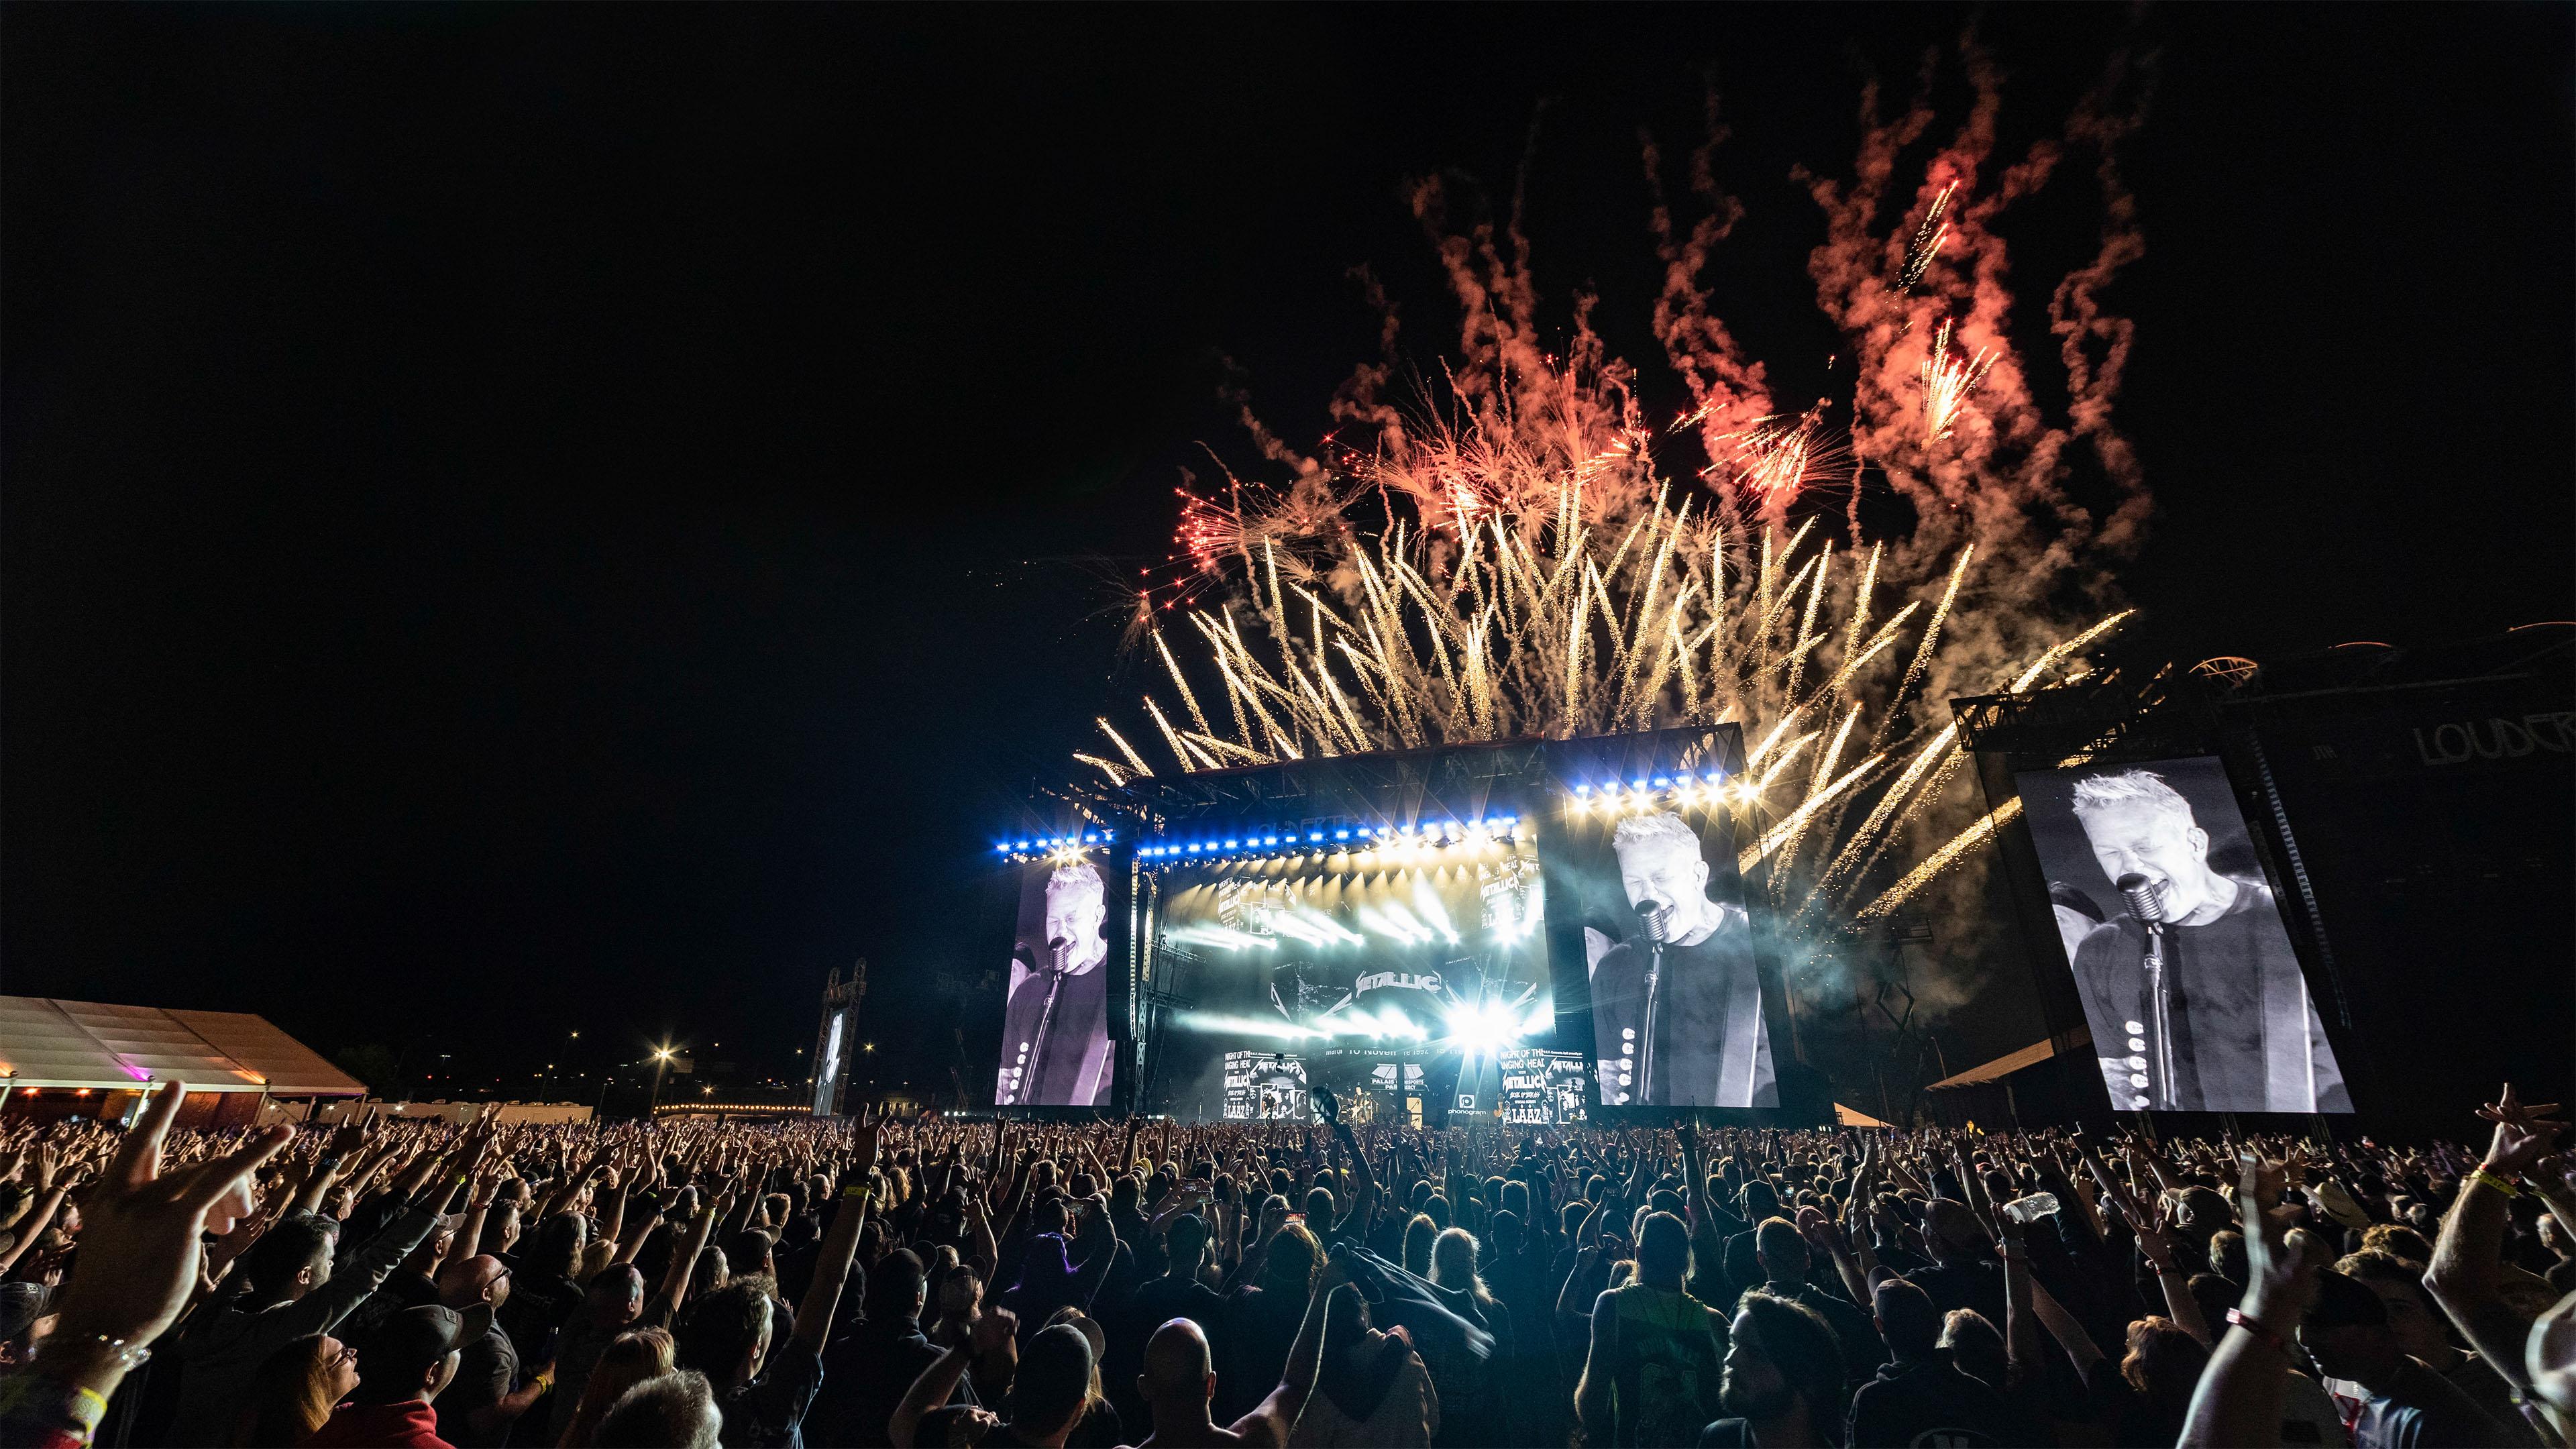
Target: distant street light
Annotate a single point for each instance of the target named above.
(661, 1063)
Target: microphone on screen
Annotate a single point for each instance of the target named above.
(1058, 949)
(2146, 900)
(1656, 919)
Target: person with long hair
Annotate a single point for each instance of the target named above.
(1371, 1388)
(629, 1359)
(1419, 1233)
(1264, 1315)
(295, 1389)
(2162, 1367)
(1099, 1427)
(1475, 1390)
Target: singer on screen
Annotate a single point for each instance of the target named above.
(2232, 1028)
(1677, 1007)
(1055, 1033)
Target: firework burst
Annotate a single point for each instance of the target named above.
(1926, 243)
(1774, 458)
(1948, 380)
(1550, 609)
(1508, 558)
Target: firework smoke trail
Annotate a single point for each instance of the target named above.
(1506, 555)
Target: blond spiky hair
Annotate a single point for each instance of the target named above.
(1661, 826)
(1079, 875)
(2143, 786)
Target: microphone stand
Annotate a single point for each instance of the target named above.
(1046, 1021)
(2160, 1014)
(2146, 902)
(1654, 997)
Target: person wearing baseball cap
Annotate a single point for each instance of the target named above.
(401, 1369)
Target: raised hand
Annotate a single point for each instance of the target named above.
(2523, 1133)
(996, 1330)
(141, 1229)
(2283, 1269)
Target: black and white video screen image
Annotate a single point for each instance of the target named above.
(1676, 999)
(2189, 981)
(1055, 1031)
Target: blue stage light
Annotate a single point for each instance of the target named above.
(1234, 845)
(1662, 781)
(1582, 789)
(1314, 835)
(1341, 835)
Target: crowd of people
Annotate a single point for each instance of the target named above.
(934, 1282)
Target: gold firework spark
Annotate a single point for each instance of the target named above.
(1550, 608)
(1948, 379)
(1926, 243)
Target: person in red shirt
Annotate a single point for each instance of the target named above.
(402, 1370)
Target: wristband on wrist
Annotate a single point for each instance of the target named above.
(2493, 1179)
(2247, 1321)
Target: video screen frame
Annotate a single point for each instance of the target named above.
(2175, 832)
(1685, 1008)
(1063, 989)
(1369, 951)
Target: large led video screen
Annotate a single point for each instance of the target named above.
(828, 1058)
(1055, 1029)
(2187, 975)
(1679, 1016)
(1383, 970)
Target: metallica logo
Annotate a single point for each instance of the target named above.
(1400, 980)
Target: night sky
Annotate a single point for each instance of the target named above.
(522, 520)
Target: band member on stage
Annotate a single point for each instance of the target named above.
(2239, 1032)
(1677, 1007)
(1055, 1033)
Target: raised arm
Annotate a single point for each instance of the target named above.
(1363, 1207)
(2078, 1345)
(2240, 1393)
(2157, 1245)
(2021, 1331)
(1269, 1424)
(1592, 1391)
(2467, 1276)
(840, 1245)
(684, 1262)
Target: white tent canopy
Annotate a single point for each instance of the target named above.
(50, 1043)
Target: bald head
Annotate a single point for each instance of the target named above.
(478, 1279)
(1176, 1365)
